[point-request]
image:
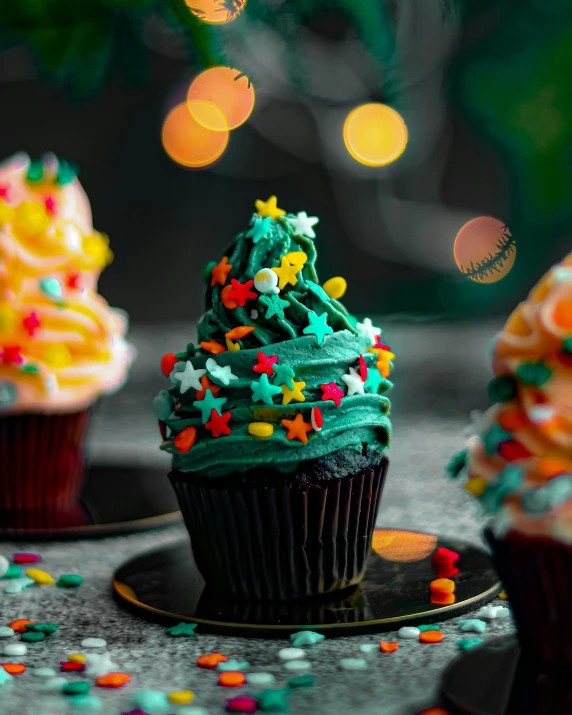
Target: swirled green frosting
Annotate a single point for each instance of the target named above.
(311, 342)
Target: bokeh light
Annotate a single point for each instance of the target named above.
(221, 98)
(375, 134)
(189, 143)
(395, 545)
(216, 12)
(485, 250)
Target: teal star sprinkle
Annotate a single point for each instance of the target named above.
(466, 643)
(259, 229)
(494, 437)
(318, 291)
(283, 375)
(305, 638)
(273, 701)
(262, 390)
(474, 625)
(274, 305)
(318, 326)
(182, 629)
(209, 404)
(151, 701)
(232, 665)
(375, 381)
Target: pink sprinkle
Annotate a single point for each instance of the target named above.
(50, 205)
(4, 188)
(242, 704)
(25, 558)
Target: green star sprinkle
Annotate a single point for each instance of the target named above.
(35, 171)
(474, 625)
(318, 290)
(533, 373)
(502, 388)
(305, 638)
(259, 229)
(274, 305)
(209, 404)
(283, 375)
(273, 701)
(151, 700)
(303, 681)
(466, 643)
(232, 665)
(375, 381)
(262, 390)
(495, 436)
(318, 326)
(182, 629)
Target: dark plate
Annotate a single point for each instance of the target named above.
(118, 500)
(165, 584)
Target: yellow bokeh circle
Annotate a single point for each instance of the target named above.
(375, 134)
(221, 98)
(189, 143)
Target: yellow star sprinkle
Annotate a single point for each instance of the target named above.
(287, 273)
(295, 394)
(269, 208)
(232, 347)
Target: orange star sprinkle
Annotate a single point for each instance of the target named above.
(185, 439)
(297, 428)
(220, 272)
(113, 680)
(213, 347)
(14, 668)
(211, 660)
(388, 647)
(207, 385)
(239, 332)
(231, 679)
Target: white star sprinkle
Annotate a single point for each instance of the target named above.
(223, 374)
(354, 382)
(190, 377)
(98, 664)
(303, 224)
(368, 329)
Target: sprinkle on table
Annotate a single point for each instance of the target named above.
(430, 637)
(47, 628)
(467, 643)
(260, 679)
(211, 660)
(14, 668)
(295, 394)
(19, 625)
(231, 679)
(297, 665)
(242, 704)
(472, 625)
(429, 627)
(291, 653)
(297, 428)
(274, 701)
(6, 632)
(93, 643)
(181, 697)
(186, 630)
(352, 663)
(388, 647)
(71, 580)
(31, 637)
(26, 558)
(442, 585)
(232, 664)
(301, 681)
(302, 638)
(71, 666)
(113, 680)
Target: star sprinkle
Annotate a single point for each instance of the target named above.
(220, 373)
(265, 364)
(232, 665)
(11, 355)
(274, 305)
(368, 329)
(273, 701)
(208, 404)
(374, 381)
(185, 630)
(294, 394)
(151, 701)
(284, 375)
(332, 392)
(468, 643)
(211, 660)
(493, 612)
(31, 323)
(287, 272)
(206, 384)
(218, 424)
(98, 664)
(190, 377)
(240, 292)
(269, 208)
(297, 428)
(260, 229)
(354, 382)
(303, 224)
(305, 638)
(494, 437)
(220, 272)
(318, 326)
(472, 625)
(262, 390)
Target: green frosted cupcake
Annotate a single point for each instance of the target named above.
(276, 421)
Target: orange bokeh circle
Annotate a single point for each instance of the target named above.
(403, 546)
(189, 143)
(216, 12)
(484, 250)
(224, 89)
(375, 134)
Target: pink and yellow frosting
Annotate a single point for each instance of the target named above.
(61, 345)
(519, 464)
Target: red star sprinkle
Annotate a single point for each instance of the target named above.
(31, 323)
(332, 392)
(168, 363)
(4, 189)
(218, 424)
(265, 363)
(513, 450)
(362, 368)
(220, 272)
(50, 205)
(240, 292)
(11, 355)
(74, 281)
(207, 385)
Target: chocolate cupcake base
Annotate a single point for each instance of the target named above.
(281, 540)
(536, 574)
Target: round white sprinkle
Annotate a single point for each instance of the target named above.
(298, 665)
(408, 632)
(368, 647)
(43, 672)
(6, 632)
(15, 649)
(291, 653)
(54, 684)
(4, 565)
(260, 679)
(193, 710)
(352, 663)
(93, 643)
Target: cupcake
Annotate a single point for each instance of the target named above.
(519, 466)
(276, 421)
(61, 345)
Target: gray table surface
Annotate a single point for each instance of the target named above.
(441, 374)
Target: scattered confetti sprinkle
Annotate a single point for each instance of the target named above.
(408, 632)
(442, 585)
(211, 660)
(151, 701)
(493, 612)
(85, 702)
(429, 627)
(368, 647)
(242, 704)
(113, 680)
(503, 596)
(260, 679)
(231, 664)
(19, 625)
(18, 585)
(93, 643)
(31, 637)
(78, 687)
(40, 577)
(15, 649)
(472, 625)
(43, 672)
(76, 658)
(26, 558)
(99, 664)
(181, 697)
(274, 701)
(466, 643)
(231, 679)
(71, 580)
(430, 637)
(67, 666)
(5, 677)
(4, 565)
(14, 668)
(388, 647)
(297, 665)
(6, 632)
(305, 638)
(15, 571)
(186, 630)
(434, 711)
(301, 681)
(352, 663)
(291, 653)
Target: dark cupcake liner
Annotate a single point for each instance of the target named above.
(279, 543)
(42, 465)
(537, 575)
